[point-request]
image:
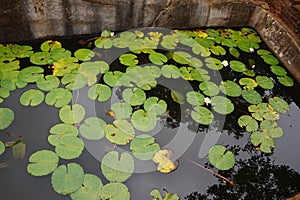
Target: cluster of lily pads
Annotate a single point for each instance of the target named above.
(189, 55)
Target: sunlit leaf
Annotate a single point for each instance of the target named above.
(222, 105)
(264, 82)
(209, 88)
(128, 60)
(134, 96)
(220, 158)
(262, 112)
(31, 74)
(157, 58)
(279, 105)
(65, 66)
(248, 83)
(279, 71)
(58, 131)
(40, 58)
(122, 110)
(143, 121)
(105, 43)
(164, 160)
(234, 52)
(112, 78)
(100, 92)
(218, 50)
(155, 105)
(170, 71)
(2, 147)
(74, 81)
(230, 88)
(157, 196)
(261, 139)
(48, 83)
(120, 132)
(32, 97)
(248, 122)
(195, 98)
(237, 66)
(84, 54)
(69, 147)
(92, 128)
(7, 116)
(22, 51)
(58, 97)
(251, 96)
(72, 115)
(143, 147)
(50, 45)
(115, 191)
(181, 57)
(286, 81)
(42, 163)
(270, 59)
(4, 93)
(202, 115)
(213, 63)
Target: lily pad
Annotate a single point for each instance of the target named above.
(248, 122)
(31, 74)
(58, 131)
(42, 163)
(279, 105)
(100, 92)
(261, 139)
(143, 147)
(112, 78)
(72, 115)
(170, 71)
(262, 112)
(230, 88)
(4, 93)
(22, 51)
(279, 71)
(90, 189)
(286, 81)
(195, 98)
(74, 81)
(58, 97)
(84, 54)
(134, 96)
(48, 83)
(117, 168)
(121, 110)
(271, 128)
(143, 121)
(115, 191)
(129, 59)
(67, 179)
(264, 82)
(105, 43)
(69, 147)
(181, 57)
(251, 96)
(237, 66)
(248, 83)
(209, 88)
(158, 58)
(65, 66)
(270, 59)
(213, 63)
(155, 105)
(165, 161)
(40, 58)
(120, 132)
(157, 196)
(234, 52)
(177, 97)
(222, 105)
(32, 97)
(50, 45)
(202, 115)
(2, 148)
(220, 158)
(7, 116)
(92, 128)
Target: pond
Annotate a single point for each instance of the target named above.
(148, 114)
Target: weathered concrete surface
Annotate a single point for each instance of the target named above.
(277, 21)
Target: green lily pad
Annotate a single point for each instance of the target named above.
(121, 110)
(248, 83)
(58, 97)
(100, 92)
(7, 116)
(222, 105)
(155, 105)
(50, 45)
(249, 72)
(143, 147)
(209, 88)
(84, 54)
(279, 71)
(271, 128)
(264, 82)
(2, 148)
(143, 121)
(105, 43)
(218, 50)
(90, 189)
(120, 132)
(67, 179)
(286, 81)
(31, 74)
(177, 97)
(22, 51)
(157, 196)
(92, 69)
(112, 78)
(42, 163)
(169, 42)
(270, 59)
(230, 88)
(237, 66)
(156, 72)
(263, 52)
(202, 115)
(134, 96)
(129, 59)
(59, 53)
(117, 168)
(262, 112)
(115, 191)
(213, 63)
(170, 71)
(92, 128)
(220, 158)
(261, 139)
(158, 58)
(40, 58)
(248, 122)
(195, 98)
(32, 97)
(69, 147)
(65, 66)
(74, 81)
(234, 52)
(58, 131)
(251, 96)
(182, 57)
(72, 115)
(4, 93)
(48, 83)
(279, 105)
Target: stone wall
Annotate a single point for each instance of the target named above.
(277, 21)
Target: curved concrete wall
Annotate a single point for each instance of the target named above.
(278, 22)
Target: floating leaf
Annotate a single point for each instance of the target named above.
(195, 98)
(112, 78)
(4, 93)
(117, 168)
(42, 163)
(209, 88)
(32, 97)
(84, 54)
(251, 96)
(286, 81)
(100, 92)
(92, 128)
(234, 52)
(40, 58)
(2, 147)
(218, 50)
(158, 58)
(264, 82)
(222, 105)
(74, 81)
(263, 52)
(170, 71)
(105, 43)
(220, 158)
(143, 147)
(115, 191)
(143, 121)
(48, 83)
(120, 132)
(279, 71)
(19, 149)
(237, 66)
(59, 131)
(128, 59)
(271, 128)
(202, 115)
(270, 59)
(249, 72)
(65, 66)
(50, 45)
(262, 112)
(134, 96)
(22, 51)
(72, 115)
(262, 140)
(230, 88)
(213, 63)
(248, 83)
(31, 74)
(279, 105)
(58, 97)
(248, 122)
(69, 147)
(90, 189)
(177, 97)
(165, 161)
(155, 105)
(181, 57)
(157, 196)
(7, 116)
(59, 53)
(156, 72)
(121, 110)
(67, 179)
